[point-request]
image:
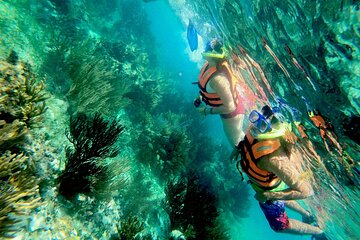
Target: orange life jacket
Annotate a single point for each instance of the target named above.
(251, 151)
(302, 130)
(213, 99)
(319, 121)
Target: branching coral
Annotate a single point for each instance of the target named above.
(93, 141)
(19, 193)
(12, 134)
(22, 100)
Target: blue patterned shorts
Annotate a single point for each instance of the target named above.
(275, 214)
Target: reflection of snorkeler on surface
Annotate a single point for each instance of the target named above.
(326, 130)
(330, 139)
(303, 137)
(297, 64)
(273, 164)
(250, 88)
(249, 63)
(266, 46)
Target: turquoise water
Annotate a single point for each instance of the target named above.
(109, 145)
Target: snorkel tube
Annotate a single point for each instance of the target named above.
(214, 54)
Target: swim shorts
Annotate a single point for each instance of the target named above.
(275, 214)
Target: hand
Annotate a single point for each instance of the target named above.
(202, 110)
(234, 155)
(197, 101)
(262, 197)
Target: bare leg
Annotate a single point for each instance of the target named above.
(326, 145)
(233, 129)
(297, 227)
(294, 205)
(313, 151)
(333, 139)
(307, 216)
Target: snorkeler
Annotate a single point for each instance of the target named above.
(218, 90)
(273, 165)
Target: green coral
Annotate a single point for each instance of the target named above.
(22, 100)
(91, 76)
(106, 76)
(19, 193)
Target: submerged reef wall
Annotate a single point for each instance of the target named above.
(22, 104)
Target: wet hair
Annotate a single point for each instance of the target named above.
(214, 45)
(266, 111)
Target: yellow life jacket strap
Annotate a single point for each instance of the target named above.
(275, 133)
(277, 188)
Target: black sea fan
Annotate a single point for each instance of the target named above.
(191, 204)
(93, 141)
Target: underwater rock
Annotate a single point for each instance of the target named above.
(37, 222)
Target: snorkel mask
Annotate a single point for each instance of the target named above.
(261, 120)
(214, 49)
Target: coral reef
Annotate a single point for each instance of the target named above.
(93, 141)
(91, 75)
(129, 229)
(106, 76)
(192, 207)
(16, 33)
(22, 101)
(19, 193)
(165, 147)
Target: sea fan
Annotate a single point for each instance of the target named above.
(93, 141)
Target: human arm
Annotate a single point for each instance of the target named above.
(289, 171)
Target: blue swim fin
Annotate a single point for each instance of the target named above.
(192, 36)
